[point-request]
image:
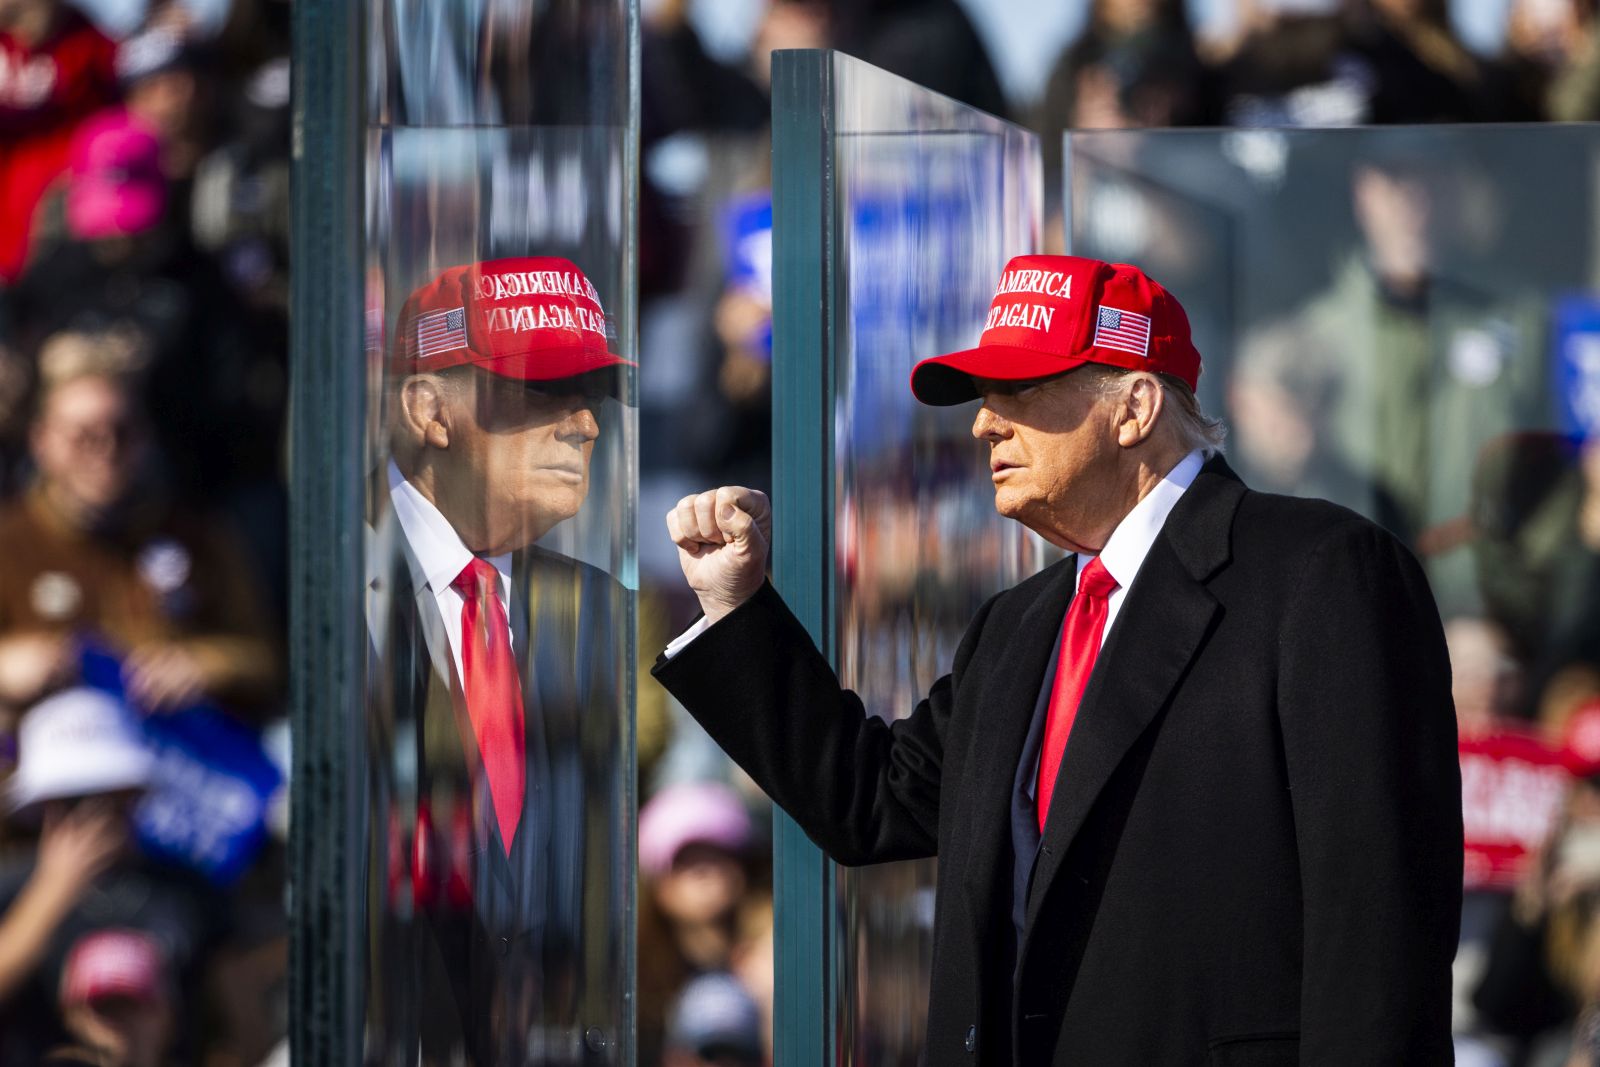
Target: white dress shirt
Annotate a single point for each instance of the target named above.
(1123, 554)
(1130, 542)
(438, 555)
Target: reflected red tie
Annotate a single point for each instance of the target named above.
(493, 692)
(1080, 644)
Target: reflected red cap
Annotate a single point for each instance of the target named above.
(534, 318)
(1053, 313)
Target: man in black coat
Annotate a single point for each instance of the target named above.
(497, 683)
(1203, 810)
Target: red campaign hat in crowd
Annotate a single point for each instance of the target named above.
(1580, 741)
(114, 963)
(1051, 314)
(533, 319)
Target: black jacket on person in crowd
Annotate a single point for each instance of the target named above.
(1254, 851)
(475, 952)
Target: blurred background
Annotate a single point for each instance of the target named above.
(1348, 281)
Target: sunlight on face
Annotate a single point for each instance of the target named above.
(1052, 455)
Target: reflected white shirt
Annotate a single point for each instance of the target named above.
(439, 555)
(1122, 555)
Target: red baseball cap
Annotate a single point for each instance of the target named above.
(114, 963)
(1051, 314)
(534, 319)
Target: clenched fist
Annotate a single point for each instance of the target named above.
(722, 537)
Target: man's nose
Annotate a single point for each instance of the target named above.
(581, 423)
(988, 426)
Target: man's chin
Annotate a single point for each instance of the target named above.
(552, 510)
(1009, 503)
(1021, 508)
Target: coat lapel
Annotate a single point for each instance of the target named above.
(1010, 689)
(1158, 631)
(548, 630)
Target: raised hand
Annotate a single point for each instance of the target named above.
(77, 845)
(722, 537)
(164, 677)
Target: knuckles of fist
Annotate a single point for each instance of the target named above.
(719, 517)
(722, 536)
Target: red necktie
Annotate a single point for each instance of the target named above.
(493, 692)
(1080, 644)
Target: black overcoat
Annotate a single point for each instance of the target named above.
(1254, 851)
(477, 954)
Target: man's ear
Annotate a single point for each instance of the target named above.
(424, 417)
(1141, 404)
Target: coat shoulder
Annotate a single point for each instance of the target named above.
(553, 569)
(1292, 528)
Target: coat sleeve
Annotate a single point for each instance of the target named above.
(863, 789)
(1369, 740)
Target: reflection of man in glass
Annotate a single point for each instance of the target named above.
(487, 654)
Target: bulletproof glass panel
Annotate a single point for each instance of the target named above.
(502, 483)
(887, 540)
(1406, 321)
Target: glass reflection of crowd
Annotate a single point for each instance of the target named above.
(144, 166)
(1425, 368)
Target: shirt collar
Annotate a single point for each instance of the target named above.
(438, 550)
(1130, 542)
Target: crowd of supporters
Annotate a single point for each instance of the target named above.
(144, 180)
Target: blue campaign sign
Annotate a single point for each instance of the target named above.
(914, 237)
(1576, 371)
(747, 227)
(749, 232)
(211, 786)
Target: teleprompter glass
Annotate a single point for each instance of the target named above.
(1387, 316)
(1406, 321)
(911, 204)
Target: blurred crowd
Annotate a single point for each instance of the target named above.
(1309, 63)
(144, 179)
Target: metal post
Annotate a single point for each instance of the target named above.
(805, 301)
(327, 634)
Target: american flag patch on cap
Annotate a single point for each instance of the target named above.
(440, 331)
(1125, 331)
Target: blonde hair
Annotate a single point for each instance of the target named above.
(115, 356)
(73, 354)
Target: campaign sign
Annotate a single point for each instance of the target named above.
(210, 788)
(1576, 377)
(747, 226)
(1512, 787)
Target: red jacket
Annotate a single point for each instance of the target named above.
(46, 90)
